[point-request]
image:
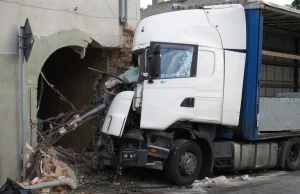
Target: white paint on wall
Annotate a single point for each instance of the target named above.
(98, 18)
(55, 24)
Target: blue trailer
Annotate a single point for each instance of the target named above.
(282, 21)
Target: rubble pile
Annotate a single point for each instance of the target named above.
(48, 168)
(46, 163)
(86, 158)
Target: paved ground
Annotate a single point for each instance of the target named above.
(152, 182)
(288, 183)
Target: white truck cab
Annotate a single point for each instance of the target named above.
(202, 65)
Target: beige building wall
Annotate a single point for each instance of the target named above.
(55, 24)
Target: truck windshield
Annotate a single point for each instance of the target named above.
(176, 61)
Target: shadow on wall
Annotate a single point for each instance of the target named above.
(69, 74)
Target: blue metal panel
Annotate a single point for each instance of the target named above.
(250, 101)
(225, 132)
(259, 64)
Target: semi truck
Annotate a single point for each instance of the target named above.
(197, 105)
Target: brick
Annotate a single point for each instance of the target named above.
(59, 188)
(35, 180)
(40, 181)
(52, 151)
(46, 190)
(120, 58)
(58, 171)
(61, 177)
(24, 184)
(65, 172)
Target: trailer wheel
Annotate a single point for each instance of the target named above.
(292, 161)
(184, 163)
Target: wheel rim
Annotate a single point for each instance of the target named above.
(188, 163)
(294, 154)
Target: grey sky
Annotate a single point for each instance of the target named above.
(144, 3)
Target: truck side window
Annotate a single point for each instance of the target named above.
(176, 61)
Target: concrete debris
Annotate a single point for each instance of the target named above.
(44, 158)
(245, 177)
(62, 131)
(226, 182)
(47, 163)
(91, 159)
(110, 83)
(220, 181)
(67, 154)
(46, 190)
(128, 28)
(35, 180)
(24, 184)
(49, 168)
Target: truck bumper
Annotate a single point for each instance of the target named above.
(139, 158)
(134, 158)
(130, 158)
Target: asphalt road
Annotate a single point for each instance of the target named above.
(269, 182)
(288, 183)
(273, 182)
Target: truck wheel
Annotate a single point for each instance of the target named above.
(292, 161)
(184, 163)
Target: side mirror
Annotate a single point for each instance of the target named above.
(156, 49)
(155, 62)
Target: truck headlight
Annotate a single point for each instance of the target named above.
(132, 155)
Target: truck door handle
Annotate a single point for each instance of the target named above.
(188, 102)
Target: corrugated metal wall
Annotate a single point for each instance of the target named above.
(69, 74)
(277, 74)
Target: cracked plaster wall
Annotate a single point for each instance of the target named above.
(55, 24)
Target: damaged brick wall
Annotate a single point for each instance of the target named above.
(69, 75)
(121, 57)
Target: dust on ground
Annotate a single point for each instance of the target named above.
(146, 181)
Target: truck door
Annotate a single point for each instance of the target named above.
(189, 88)
(209, 86)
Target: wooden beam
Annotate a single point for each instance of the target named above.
(281, 55)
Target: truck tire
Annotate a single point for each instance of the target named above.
(292, 159)
(184, 162)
